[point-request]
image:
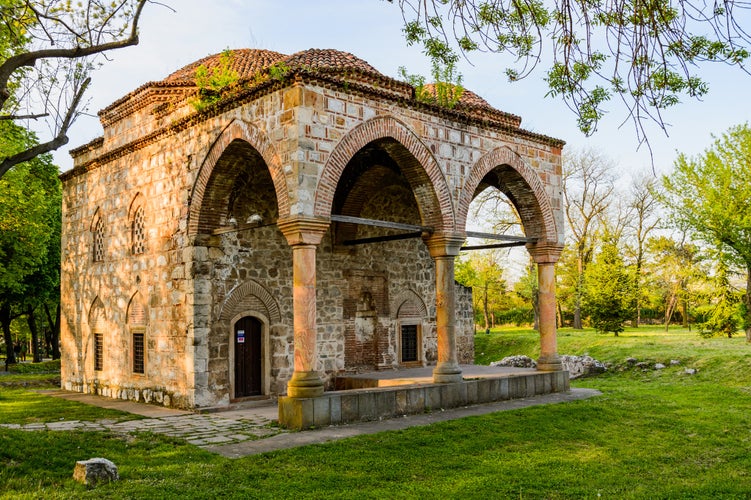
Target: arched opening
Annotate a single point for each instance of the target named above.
(381, 209)
(237, 227)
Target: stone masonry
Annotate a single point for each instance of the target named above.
(178, 224)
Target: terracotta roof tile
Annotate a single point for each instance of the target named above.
(329, 59)
(247, 62)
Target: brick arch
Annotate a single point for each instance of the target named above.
(521, 184)
(242, 130)
(138, 201)
(247, 289)
(418, 165)
(408, 296)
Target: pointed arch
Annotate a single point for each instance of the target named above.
(410, 303)
(521, 184)
(137, 224)
(418, 165)
(250, 289)
(137, 314)
(97, 318)
(258, 140)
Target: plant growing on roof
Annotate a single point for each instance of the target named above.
(212, 82)
(447, 88)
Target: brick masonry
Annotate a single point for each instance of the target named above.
(211, 186)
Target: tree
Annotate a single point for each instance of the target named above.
(48, 49)
(645, 54)
(645, 219)
(482, 272)
(29, 240)
(608, 290)
(675, 265)
(710, 194)
(587, 192)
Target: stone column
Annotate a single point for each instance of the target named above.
(304, 234)
(546, 255)
(444, 248)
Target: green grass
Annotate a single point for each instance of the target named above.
(653, 434)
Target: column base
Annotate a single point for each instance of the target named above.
(549, 363)
(447, 373)
(305, 385)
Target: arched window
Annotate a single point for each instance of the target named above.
(98, 240)
(137, 322)
(97, 325)
(138, 233)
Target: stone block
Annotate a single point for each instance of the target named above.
(95, 471)
(503, 389)
(483, 391)
(350, 408)
(385, 403)
(450, 395)
(416, 400)
(322, 411)
(402, 407)
(335, 400)
(470, 387)
(366, 405)
(433, 397)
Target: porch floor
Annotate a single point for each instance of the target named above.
(422, 375)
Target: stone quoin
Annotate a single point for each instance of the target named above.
(302, 227)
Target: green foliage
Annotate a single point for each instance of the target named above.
(609, 291)
(710, 195)
(213, 82)
(723, 318)
(446, 89)
(647, 54)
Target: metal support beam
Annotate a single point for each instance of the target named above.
(378, 239)
(380, 223)
(501, 237)
(495, 245)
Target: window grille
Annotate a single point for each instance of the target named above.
(409, 343)
(138, 353)
(138, 233)
(99, 241)
(98, 351)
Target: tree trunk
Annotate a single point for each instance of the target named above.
(10, 356)
(578, 303)
(54, 330)
(32, 322)
(747, 302)
(485, 307)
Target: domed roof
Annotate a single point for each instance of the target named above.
(249, 62)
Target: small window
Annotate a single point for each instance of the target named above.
(98, 251)
(98, 351)
(138, 234)
(409, 344)
(138, 352)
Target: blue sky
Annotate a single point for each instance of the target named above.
(371, 30)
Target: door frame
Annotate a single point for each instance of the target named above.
(265, 352)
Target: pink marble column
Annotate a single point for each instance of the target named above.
(303, 235)
(444, 248)
(546, 256)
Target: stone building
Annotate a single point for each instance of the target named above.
(301, 227)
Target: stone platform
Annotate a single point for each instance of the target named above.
(388, 394)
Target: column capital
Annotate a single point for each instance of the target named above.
(303, 230)
(545, 252)
(444, 244)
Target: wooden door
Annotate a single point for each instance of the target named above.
(247, 357)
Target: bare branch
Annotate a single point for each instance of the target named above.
(60, 139)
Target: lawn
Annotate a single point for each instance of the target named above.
(652, 434)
